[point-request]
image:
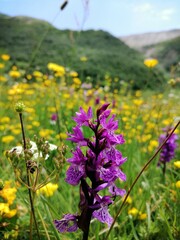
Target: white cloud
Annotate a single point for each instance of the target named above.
(143, 8)
(166, 14)
(147, 10)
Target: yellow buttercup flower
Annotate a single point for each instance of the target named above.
(73, 74)
(8, 193)
(62, 136)
(6, 212)
(128, 200)
(178, 184)
(7, 139)
(150, 62)
(60, 70)
(133, 211)
(45, 133)
(2, 65)
(5, 57)
(4, 120)
(138, 102)
(153, 144)
(14, 74)
(77, 81)
(2, 78)
(142, 216)
(48, 190)
(83, 59)
(177, 164)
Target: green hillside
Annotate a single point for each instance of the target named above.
(169, 53)
(33, 43)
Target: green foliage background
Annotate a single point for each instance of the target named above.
(33, 43)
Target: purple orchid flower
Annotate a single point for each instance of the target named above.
(168, 151)
(100, 162)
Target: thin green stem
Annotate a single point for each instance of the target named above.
(138, 176)
(44, 225)
(28, 183)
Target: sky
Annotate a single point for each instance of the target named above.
(118, 17)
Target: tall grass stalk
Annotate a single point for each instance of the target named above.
(32, 214)
(138, 176)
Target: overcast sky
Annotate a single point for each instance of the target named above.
(119, 17)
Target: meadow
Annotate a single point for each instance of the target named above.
(45, 103)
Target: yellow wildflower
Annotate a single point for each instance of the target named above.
(6, 212)
(138, 102)
(2, 65)
(45, 133)
(77, 81)
(37, 74)
(8, 193)
(177, 164)
(152, 145)
(142, 216)
(51, 109)
(66, 95)
(29, 92)
(73, 74)
(48, 190)
(36, 123)
(16, 131)
(178, 184)
(83, 59)
(56, 68)
(30, 110)
(128, 200)
(7, 139)
(14, 68)
(29, 77)
(4, 120)
(2, 78)
(151, 62)
(133, 211)
(5, 57)
(62, 136)
(138, 93)
(14, 74)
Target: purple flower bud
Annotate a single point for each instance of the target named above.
(54, 117)
(102, 109)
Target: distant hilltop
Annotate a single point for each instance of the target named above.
(138, 41)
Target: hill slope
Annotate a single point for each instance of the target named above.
(168, 52)
(139, 41)
(34, 43)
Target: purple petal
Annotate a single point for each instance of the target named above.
(77, 137)
(78, 157)
(121, 175)
(108, 174)
(82, 117)
(74, 174)
(115, 191)
(67, 224)
(103, 215)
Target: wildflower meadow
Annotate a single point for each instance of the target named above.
(74, 157)
(88, 158)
